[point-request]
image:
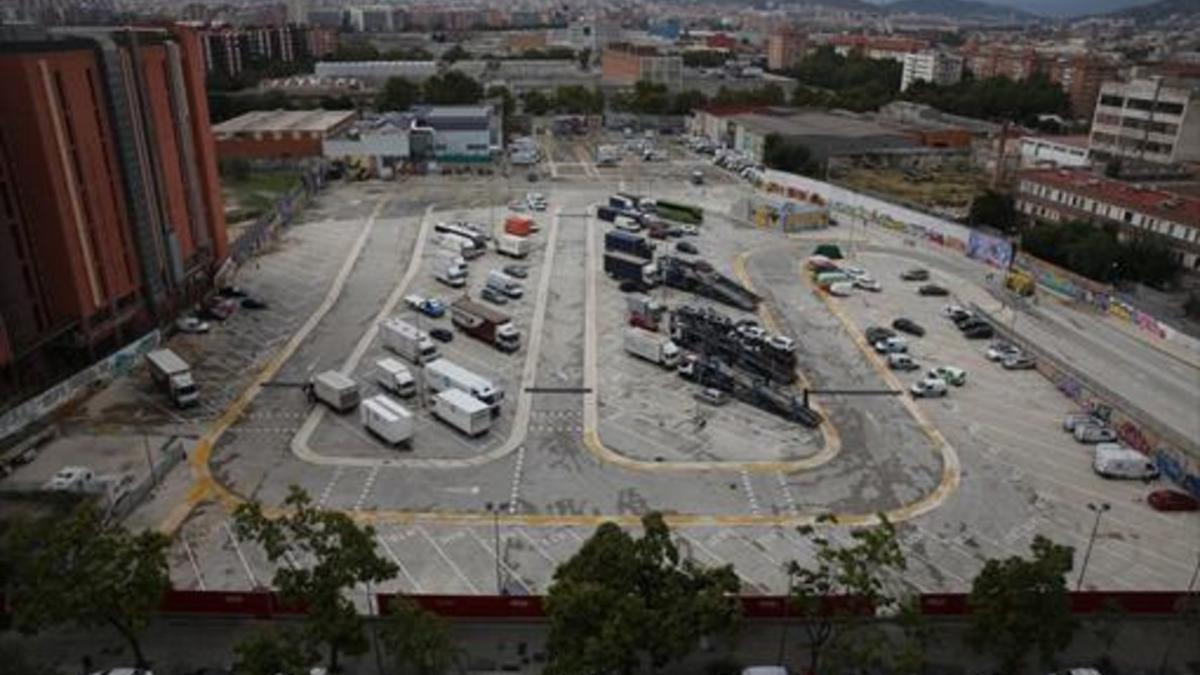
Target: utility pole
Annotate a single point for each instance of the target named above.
(1098, 509)
(494, 509)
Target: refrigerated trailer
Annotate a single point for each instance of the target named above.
(463, 412)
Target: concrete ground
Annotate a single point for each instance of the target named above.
(973, 476)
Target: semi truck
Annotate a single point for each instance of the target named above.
(500, 282)
(336, 390)
(512, 245)
(653, 347)
(486, 324)
(174, 375)
(395, 377)
(408, 341)
(462, 411)
(627, 242)
(450, 271)
(644, 311)
(622, 266)
(386, 419)
(444, 374)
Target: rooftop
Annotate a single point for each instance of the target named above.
(285, 120)
(1152, 201)
(1078, 141)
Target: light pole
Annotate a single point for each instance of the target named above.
(1099, 510)
(494, 509)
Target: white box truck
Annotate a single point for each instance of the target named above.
(502, 283)
(174, 375)
(443, 375)
(336, 390)
(406, 340)
(462, 411)
(512, 245)
(386, 419)
(653, 347)
(458, 244)
(449, 271)
(395, 377)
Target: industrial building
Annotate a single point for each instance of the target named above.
(624, 65)
(1150, 120)
(112, 217)
(825, 134)
(468, 133)
(280, 134)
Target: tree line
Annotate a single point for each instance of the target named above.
(1096, 252)
(621, 604)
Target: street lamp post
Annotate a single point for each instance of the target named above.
(1099, 510)
(494, 509)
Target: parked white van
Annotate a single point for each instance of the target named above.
(1114, 460)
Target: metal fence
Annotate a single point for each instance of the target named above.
(254, 238)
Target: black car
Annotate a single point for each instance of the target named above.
(916, 274)
(932, 289)
(686, 247)
(966, 320)
(980, 332)
(251, 302)
(908, 326)
(441, 334)
(675, 233)
(517, 271)
(970, 324)
(232, 292)
(876, 333)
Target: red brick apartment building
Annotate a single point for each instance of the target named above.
(111, 217)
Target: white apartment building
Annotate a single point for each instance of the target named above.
(1054, 151)
(1150, 119)
(940, 68)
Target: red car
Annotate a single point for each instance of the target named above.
(1172, 500)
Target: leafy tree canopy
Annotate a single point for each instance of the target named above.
(620, 603)
(452, 88)
(995, 98)
(994, 209)
(785, 154)
(398, 93)
(417, 641)
(272, 653)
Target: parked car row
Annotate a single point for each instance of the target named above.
(219, 307)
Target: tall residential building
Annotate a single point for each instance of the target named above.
(111, 217)
(939, 68)
(1081, 77)
(785, 48)
(1147, 120)
(624, 65)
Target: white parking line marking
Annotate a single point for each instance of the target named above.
(749, 489)
(503, 565)
(325, 494)
(441, 552)
(238, 550)
(536, 546)
(718, 560)
(412, 583)
(786, 491)
(191, 556)
(516, 483)
(362, 496)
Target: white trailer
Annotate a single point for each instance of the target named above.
(174, 375)
(444, 375)
(336, 390)
(406, 340)
(511, 245)
(387, 419)
(652, 347)
(458, 244)
(502, 283)
(462, 411)
(395, 377)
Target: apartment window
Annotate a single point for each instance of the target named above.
(1139, 104)
(1107, 120)
(1128, 217)
(1169, 108)
(1112, 100)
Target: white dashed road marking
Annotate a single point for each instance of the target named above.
(750, 496)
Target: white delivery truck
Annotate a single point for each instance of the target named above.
(502, 283)
(336, 390)
(512, 245)
(450, 271)
(458, 244)
(653, 347)
(174, 375)
(406, 340)
(386, 419)
(394, 376)
(462, 411)
(443, 375)
(1114, 460)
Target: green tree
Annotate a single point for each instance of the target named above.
(508, 104)
(649, 98)
(996, 98)
(453, 88)
(789, 155)
(407, 54)
(343, 556)
(585, 58)
(456, 53)
(858, 576)
(417, 641)
(355, 51)
(578, 100)
(1019, 605)
(620, 603)
(14, 660)
(994, 209)
(686, 101)
(705, 58)
(269, 652)
(398, 93)
(535, 102)
(89, 572)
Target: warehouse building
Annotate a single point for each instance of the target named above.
(427, 133)
(280, 134)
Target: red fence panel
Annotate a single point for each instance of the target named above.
(472, 606)
(229, 603)
(944, 604)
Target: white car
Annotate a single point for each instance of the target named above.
(190, 324)
(1000, 351)
(867, 284)
(855, 272)
(752, 331)
(892, 345)
(949, 374)
(782, 343)
(689, 229)
(841, 289)
(930, 387)
(951, 311)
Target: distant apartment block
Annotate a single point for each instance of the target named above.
(230, 50)
(875, 47)
(1015, 62)
(785, 48)
(939, 68)
(113, 218)
(624, 65)
(1147, 120)
(1060, 195)
(1081, 77)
